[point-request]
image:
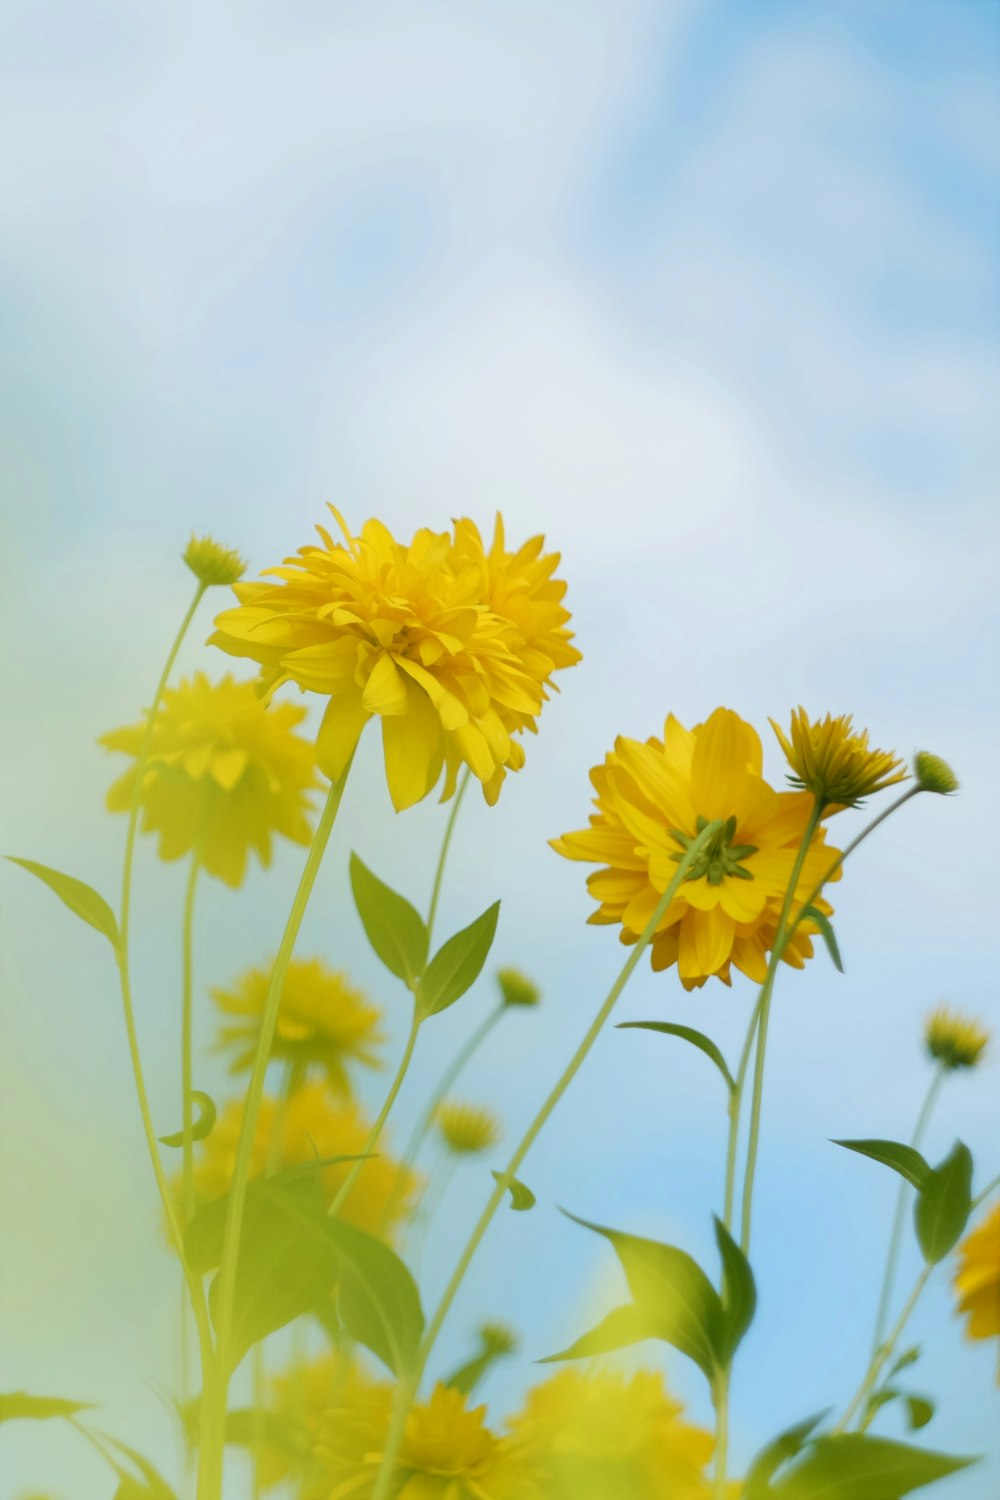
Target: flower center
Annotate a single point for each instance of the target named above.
(719, 857)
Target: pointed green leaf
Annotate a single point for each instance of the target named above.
(688, 1034)
(623, 1327)
(378, 1298)
(521, 1197)
(944, 1203)
(902, 1159)
(739, 1291)
(18, 1405)
(904, 1360)
(155, 1486)
(207, 1115)
(826, 932)
(457, 964)
(79, 897)
(785, 1446)
(395, 929)
(849, 1465)
(920, 1410)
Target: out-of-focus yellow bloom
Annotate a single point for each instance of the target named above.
(213, 564)
(467, 1129)
(324, 1022)
(934, 774)
(223, 776)
(311, 1124)
(652, 801)
(296, 1403)
(453, 648)
(977, 1280)
(608, 1436)
(350, 1438)
(831, 759)
(517, 989)
(956, 1041)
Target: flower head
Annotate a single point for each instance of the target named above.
(934, 774)
(608, 1436)
(652, 801)
(831, 759)
(451, 646)
(212, 563)
(224, 774)
(954, 1040)
(323, 1022)
(465, 1129)
(977, 1280)
(517, 989)
(296, 1402)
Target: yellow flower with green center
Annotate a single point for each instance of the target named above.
(467, 1129)
(831, 759)
(223, 776)
(324, 1022)
(453, 648)
(212, 564)
(609, 1436)
(977, 1280)
(653, 799)
(954, 1040)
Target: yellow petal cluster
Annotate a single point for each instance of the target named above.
(954, 1040)
(652, 800)
(450, 644)
(465, 1128)
(831, 759)
(223, 776)
(977, 1280)
(324, 1022)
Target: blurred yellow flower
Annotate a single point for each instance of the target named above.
(311, 1124)
(223, 776)
(296, 1404)
(609, 1436)
(652, 800)
(977, 1280)
(211, 563)
(467, 1129)
(451, 647)
(324, 1022)
(831, 759)
(955, 1040)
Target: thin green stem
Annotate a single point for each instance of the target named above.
(980, 1198)
(408, 1385)
(383, 1115)
(720, 1400)
(443, 856)
(187, 1018)
(845, 854)
(884, 1352)
(734, 1107)
(899, 1219)
(214, 1407)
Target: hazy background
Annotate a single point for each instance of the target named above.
(708, 293)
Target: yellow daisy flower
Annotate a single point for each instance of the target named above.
(224, 775)
(652, 800)
(466, 1129)
(977, 1280)
(831, 759)
(451, 647)
(296, 1403)
(610, 1435)
(323, 1022)
(955, 1040)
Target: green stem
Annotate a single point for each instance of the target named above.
(383, 1115)
(214, 1407)
(720, 1400)
(990, 1187)
(899, 1220)
(443, 856)
(734, 1108)
(187, 1017)
(407, 1386)
(845, 854)
(884, 1352)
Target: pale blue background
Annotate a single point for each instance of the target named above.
(706, 291)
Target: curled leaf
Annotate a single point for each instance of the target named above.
(207, 1114)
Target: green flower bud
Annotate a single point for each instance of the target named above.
(212, 563)
(517, 989)
(934, 774)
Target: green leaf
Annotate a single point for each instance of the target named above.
(920, 1410)
(207, 1115)
(904, 1360)
(155, 1486)
(18, 1405)
(521, 1197)
(944, 1204)
(902, 1159)
(826, 932)
(251, 1427)
(688, 1034)
(471, 1374)
(378, 1298)
(395, 929)
(79, 897)
(849, 1465)
(785, 1446)
(457, 964)
(621, 1328)
(204, 1236)
(739, 1291)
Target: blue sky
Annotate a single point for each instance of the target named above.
(708, 293)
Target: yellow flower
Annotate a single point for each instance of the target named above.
(311, 1124)
(324, 1021)
(211, 563)
(517, 989)
(224, 774)
(451, 647)
(465, 1129)
(954, 1040)
(831, 759)
(934, 774)
(350, 1438)
(977, 1281)
(608, 1436)
(296, 1405)
(652, 800)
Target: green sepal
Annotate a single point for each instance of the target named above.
(81, 898)
(687, 1034)
(457, 964)
(395, 929)
(207, 1116)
